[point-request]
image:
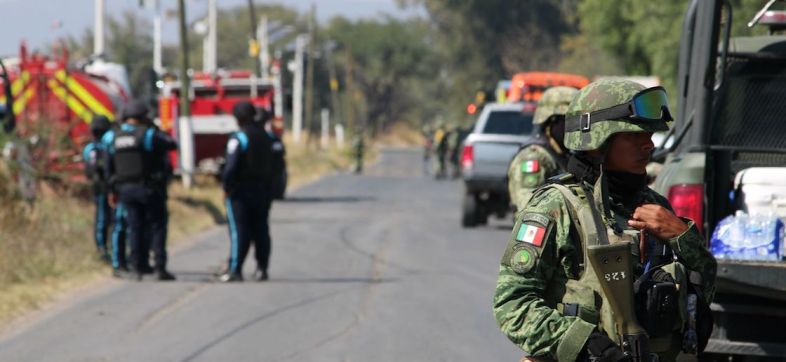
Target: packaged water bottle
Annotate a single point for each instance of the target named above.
(728, 237)
(737, 236)
(762, 237)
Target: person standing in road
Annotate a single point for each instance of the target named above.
(119, 224)
(246, 182)
(161, 175)
(546, 156)
(440, 145)
(549, 300)
(94, 155)
(131, 164)
(278, 161)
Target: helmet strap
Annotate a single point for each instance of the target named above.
(602, 187)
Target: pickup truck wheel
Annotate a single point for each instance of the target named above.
(482, 213)
(469, 211)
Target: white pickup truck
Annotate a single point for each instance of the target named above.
(500, 131)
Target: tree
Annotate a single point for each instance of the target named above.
(482, 41)
(392, 62)
(645, 35)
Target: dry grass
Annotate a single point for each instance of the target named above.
(47, 248)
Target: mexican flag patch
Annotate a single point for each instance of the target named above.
(530, 166)
(531, 234)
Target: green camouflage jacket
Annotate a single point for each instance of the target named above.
(530, 168)
(543, 254)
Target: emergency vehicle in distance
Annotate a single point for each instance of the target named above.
(212, 97)
(52, 97)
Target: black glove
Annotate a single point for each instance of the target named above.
(602, 349)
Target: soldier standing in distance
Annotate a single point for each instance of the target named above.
(546, 156)
(548, 300)
(246, 180)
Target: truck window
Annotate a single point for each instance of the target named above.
(508, 122)
(751, 109)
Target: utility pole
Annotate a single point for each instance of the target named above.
(264, 54)
(98, 30)
(297, 88)
(349, 92)
(158, 65)
(309, 106)
(185, 130)
(334, 101)
(210, 61)
(255, 44)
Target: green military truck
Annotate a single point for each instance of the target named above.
(731, 118)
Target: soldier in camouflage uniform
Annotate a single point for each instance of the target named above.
(546, 301)
(546, 156)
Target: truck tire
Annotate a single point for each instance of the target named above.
(482, 213)
(469, 211)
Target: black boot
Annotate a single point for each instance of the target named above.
(230, 277)
(164, 275)
(103, 255)
(260, 275)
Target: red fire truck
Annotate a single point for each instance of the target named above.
(53, 98)
(211, 100)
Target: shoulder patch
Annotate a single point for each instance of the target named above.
(530, 166)
(532, 229)
(523, 258)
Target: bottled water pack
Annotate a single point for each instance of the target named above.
(748, 237)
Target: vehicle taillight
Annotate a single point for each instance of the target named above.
(467, 157)
(688, 201)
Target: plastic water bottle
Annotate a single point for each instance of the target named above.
(737, 236)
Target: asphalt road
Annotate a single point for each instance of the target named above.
(364, 268)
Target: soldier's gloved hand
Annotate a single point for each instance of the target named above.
(601, 348)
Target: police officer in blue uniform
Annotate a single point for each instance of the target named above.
(93, 156)
(161, 175)
(246, 182)
(278, 163)
(119, 224)
(133, 155)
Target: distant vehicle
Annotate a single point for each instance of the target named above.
(212, 98)
(730, 124)
(51, 93)
(500, 131)
(529, 86)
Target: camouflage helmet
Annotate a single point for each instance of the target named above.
(555, 100)
(601, 95)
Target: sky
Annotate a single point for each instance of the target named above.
(41, 22)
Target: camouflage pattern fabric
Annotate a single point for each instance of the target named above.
(534, 273)
(600, 95)
(522, 182)
(555, 100)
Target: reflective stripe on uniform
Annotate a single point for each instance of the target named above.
(116, 230)
(233, 238)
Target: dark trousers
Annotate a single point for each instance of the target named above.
(247, 214)
(146, 215)
(119, 231)
(102, 219)
(159, 242)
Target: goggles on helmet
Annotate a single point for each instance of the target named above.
(649, 105)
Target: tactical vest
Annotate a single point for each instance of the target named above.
(132, 162)
(255, 163)
(584, 296)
